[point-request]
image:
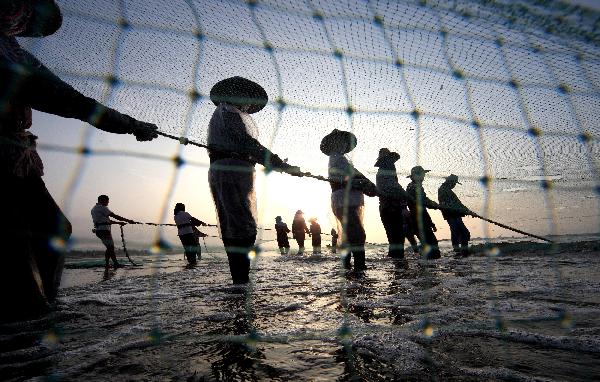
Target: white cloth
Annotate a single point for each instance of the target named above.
(341, 169)
(231, 180)
(183, 217)
(100, 216)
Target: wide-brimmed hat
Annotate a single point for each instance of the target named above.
(386, 155)
(338, 141)
(41, 17)
(239, 91)
(453, 178)
(417, 170)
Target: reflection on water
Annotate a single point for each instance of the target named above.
(304, 319)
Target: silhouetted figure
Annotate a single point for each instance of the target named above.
(30, 276)
(334, 240)
(282, 236)
(392, 200)
(101, 217)
(419, 215)
(299, 230)
(347, 201)
(453, 212)
(188, 233)
(234, 151)
(315, 233)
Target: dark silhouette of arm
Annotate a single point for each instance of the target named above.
(247, 146)
(196, 222)
(36, 86)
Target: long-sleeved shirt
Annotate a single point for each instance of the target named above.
(233, 134)
(299, 227)
(341, 171)
(448, 198)
(391, 193)
(282, 231)
(419, 197)
(25, 84)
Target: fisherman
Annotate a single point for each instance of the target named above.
(418, 205)
(299, 229)
(31, 274)
(101, 217)
(188, 233)
(348, 188)
(453, 213)
(234, 151)
(334, 239)
(315, 233)
(282, 239)
(392, 198)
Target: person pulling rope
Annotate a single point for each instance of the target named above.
(186, 141)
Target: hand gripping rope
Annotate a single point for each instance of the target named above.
(186, 141)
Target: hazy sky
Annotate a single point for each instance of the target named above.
(159, 61)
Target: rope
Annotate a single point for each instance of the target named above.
(125, 247)
(511, 228)
(186, 141)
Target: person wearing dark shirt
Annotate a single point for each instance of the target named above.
(453, 212)
(315, 233)
(348, 187)
(299, 229)
(30, 277)
(334, 239)
(392, 199)
(282, 236)
(418, 205)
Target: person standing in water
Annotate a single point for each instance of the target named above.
(392, 197)
(101, 217)
(348, 187)
(282, 239)
(334, 239)
(30, 276)
(188, 233)
(453, 211)
(418, 204)
(315, 233)
(234, 150)
(299, 229)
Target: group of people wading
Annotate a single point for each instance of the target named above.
(35, 227)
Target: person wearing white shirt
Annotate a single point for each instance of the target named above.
(187, 232)
(101, 217)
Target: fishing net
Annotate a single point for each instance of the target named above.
(503, 94)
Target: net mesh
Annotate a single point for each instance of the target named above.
(504, 94)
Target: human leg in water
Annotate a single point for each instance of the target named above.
(190, 247)
(237, 255)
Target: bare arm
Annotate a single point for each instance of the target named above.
(115, 216)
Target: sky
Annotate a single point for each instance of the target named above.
(158, 61)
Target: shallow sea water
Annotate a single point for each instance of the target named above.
(523, 316)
